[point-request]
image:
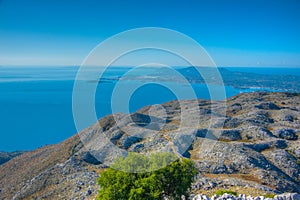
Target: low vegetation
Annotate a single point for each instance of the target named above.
(221, 192)
(269, 195)
(172, 181)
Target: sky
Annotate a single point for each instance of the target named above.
(234, 32)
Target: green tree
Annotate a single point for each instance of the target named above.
(155, 180)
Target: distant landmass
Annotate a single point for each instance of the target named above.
(253, 148)
(230, 77)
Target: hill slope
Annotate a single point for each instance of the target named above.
(252, 145)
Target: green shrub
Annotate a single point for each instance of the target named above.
(171, 181)
(221, 192)
(269, 195)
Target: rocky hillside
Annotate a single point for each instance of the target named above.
(251, 146)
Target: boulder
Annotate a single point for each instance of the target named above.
(231, 135)
(89, 158)
(130, 140)
(268, 106)
(232, 123)
(279, 143)
(289, 118)
(286, 133)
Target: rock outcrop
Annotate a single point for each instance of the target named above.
(286, 196)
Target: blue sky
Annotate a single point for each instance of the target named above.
(234, 32)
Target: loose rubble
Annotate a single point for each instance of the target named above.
(285, 196)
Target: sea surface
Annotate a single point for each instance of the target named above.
(36, 102)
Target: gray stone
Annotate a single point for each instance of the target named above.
(278, 143)
(289, 118)
(234, 108)
(88, 192)
(231, 135)
(261, 119)
(215, 197)
(130, 140)
(265, 132)
(287, 196)
(297, 152)
(268, 106)
(89, 158)
(232, 123)
(116, 136)
(288, 134)
(200, 197)
(201, 133)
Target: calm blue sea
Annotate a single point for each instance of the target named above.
(36, 103)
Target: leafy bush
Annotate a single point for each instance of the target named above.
(269, 195)
(221, 192)
(171, 181)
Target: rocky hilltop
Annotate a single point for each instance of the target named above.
(249, 144)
